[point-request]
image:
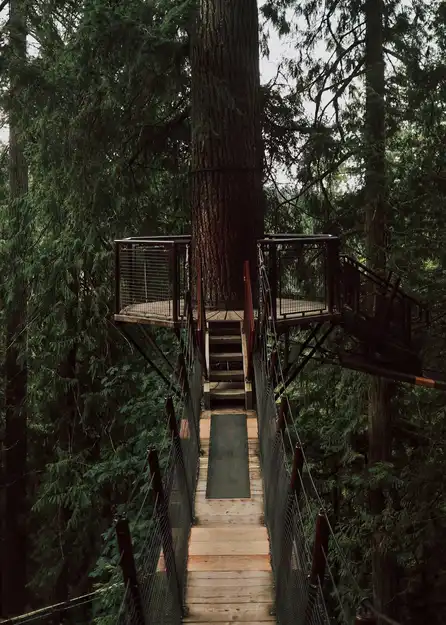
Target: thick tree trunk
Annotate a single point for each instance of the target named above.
(227, 155)
(16, 374)
(380, 392)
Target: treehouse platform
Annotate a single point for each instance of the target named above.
(301, 282)
(154, 276)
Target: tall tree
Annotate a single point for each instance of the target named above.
(226, 161)
(16, 373)
(380, 391)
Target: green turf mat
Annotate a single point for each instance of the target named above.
(228, 471)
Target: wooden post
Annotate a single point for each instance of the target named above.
(320, 553)
(127, 562)
(170, 410)
(117, 279)
(162, 511)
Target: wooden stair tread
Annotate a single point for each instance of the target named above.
(225, 385)
(228, 392)
(225, 338)
(235, 374)
(220, 356)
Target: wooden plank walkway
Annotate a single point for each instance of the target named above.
(229, 576)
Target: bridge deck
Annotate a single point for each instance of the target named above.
(161, 313)
(229, 571)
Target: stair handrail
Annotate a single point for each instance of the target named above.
(248, 318)
(398, 292)
(201, 320)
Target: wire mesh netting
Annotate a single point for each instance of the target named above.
(298, 272)
(152, 278)
(290, 520)
(162, 559)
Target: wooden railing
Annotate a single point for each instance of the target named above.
(201, 321)
(248, 319)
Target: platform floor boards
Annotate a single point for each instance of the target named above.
(229, 571)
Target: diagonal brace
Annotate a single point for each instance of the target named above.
(304, 361)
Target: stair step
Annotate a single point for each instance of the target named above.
(228, 393)
(221, 328)
(235, 374)
(226, 386)
(224, 338)
(221, 357)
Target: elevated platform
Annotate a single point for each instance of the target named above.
(161, 313)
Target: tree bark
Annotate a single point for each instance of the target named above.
(380, 391)
(16, 373)
(227, 154)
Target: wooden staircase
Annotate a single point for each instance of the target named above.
(226, 387)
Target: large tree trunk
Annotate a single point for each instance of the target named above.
(227, 155)
(380, 392)
(16, 374)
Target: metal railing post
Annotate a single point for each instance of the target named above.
(273, 278)
(175, 278)
(128, 567)
(162, 510)
(170, 410)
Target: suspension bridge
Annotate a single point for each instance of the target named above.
(239, 531)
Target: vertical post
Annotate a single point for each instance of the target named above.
(320, 552)
(128, 567)
(117, 279)
(333, 275)
(184, 382)
(170, 410)
(162, 510)
(273, 278)
(175, 290)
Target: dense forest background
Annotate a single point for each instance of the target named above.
(99, 149)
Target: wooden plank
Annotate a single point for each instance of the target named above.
(228, 578)
(256, 485)
(217, 520)
(236, 548)
(219, 504)
(233, 613)
(242, 534)
(206, 414)
(251, 426)
(233, 507)
(230, 594)
(229, 563)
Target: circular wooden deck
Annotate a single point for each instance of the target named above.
(161, 312)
